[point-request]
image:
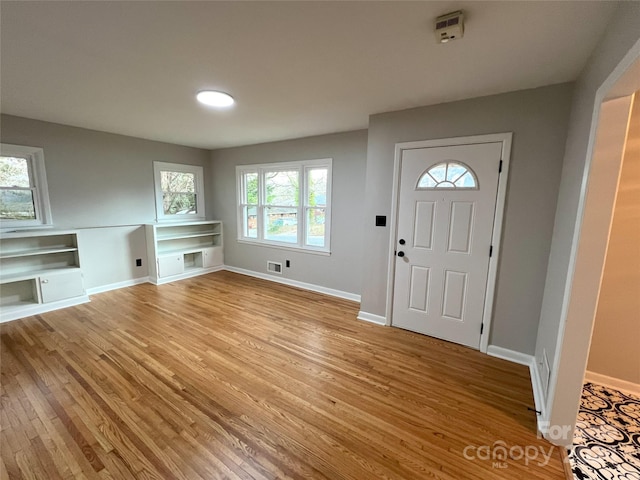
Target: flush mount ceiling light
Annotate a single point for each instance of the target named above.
(214, 98)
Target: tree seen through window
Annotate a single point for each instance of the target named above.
(16, 194)
(178, 193)
(286, 203)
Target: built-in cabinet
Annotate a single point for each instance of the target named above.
(39, 271)
(185, 249)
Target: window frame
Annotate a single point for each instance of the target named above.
(303, 167)
(438, 183)
(39, 187)
(196, 170)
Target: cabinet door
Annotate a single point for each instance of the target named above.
(170, 265)
(59, 286)
(212, 257)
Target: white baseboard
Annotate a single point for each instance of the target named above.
(616, 383)
(511, 355)
(8, 314)
(536, 385)
(372, 318)
(295, 283)
(182, 276)
(538, 394)
(117, 285)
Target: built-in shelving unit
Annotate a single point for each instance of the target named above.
(182, 250)
(39, 271)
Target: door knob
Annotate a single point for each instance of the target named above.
(401, 254)
(401, 241)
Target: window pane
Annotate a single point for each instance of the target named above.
(466, 180)
(17, 205)
(177, 182)
(250, 222)
(251, 188)
(315, 227)
(448, 175)
(455, 171)
(179, 203)
(14, 172)
(427, 181)
(281, 224)
(282, 188)
(438, 172)
(317, 187)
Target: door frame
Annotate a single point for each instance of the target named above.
(560, 407)
(506, 139)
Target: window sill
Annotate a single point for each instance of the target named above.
(280, 246)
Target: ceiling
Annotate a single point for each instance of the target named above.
(295, 68)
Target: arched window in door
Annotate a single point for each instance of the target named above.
(448, 175)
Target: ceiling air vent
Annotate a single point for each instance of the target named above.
(274, 267)
(450, 26)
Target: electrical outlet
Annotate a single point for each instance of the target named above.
(138, 262)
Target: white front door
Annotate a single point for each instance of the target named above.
(446, 207)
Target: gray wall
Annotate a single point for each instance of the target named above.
(615, 44)
(103, 180)
(108, 255)
(341, 270)
(538, 118)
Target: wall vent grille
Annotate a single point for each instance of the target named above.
(545, 374)
(274, 267)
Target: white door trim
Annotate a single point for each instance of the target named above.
(505, 138)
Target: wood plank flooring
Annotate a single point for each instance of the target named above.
(226, 376)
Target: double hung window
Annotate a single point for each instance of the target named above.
(24, 197)
(179, 191)
(286, 204)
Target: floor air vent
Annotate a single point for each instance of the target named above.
(274, 267)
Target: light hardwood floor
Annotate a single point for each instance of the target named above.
(226, 376)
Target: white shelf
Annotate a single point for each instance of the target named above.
(182, 251)
(37, 251)
(169, 224)
(9, 308)
(185, 249)
(162, 238)
(39, 272)
(30, 275)
(31, 233)
(15, 311)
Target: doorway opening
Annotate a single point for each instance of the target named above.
(605, 441)
(610, 122)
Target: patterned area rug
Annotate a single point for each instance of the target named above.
(606, 443)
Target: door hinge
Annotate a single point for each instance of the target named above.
(481, 328)
(490, 250)
(500, 167)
